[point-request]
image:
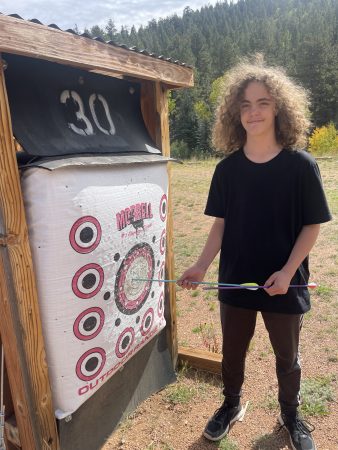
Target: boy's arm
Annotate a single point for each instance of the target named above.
(280, 280)
(210, 250)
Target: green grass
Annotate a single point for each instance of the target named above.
(227, 444)
(179, 393)
(316, 395)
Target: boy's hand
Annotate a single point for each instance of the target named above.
(194, 273)
(279, 283)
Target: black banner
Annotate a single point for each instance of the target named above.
(59, 110)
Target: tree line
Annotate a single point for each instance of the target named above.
(300, 35)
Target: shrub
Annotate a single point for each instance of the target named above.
(180, 150)
(324, 140)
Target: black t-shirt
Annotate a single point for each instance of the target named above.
(265, 206)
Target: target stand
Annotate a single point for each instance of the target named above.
(84, 209)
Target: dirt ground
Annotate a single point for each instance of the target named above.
(174, 418)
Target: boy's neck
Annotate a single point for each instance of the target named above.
(261, 150)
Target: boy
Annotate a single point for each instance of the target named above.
(268, 203)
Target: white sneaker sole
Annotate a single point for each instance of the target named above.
(281, 421)
(237, 417)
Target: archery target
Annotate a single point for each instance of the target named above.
(91, 364)
(163, 207)
(85, 234)
(124, 342)
(160, 306)
(161, 273)
(89, 324)
(131, 294)
(88, 281)
(147, 321)
(162, 243)
(93, 231)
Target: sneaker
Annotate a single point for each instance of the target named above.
(299, 431)
(219, 424)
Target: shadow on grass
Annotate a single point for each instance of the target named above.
(277, 440)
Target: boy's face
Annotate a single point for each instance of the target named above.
(258, 111)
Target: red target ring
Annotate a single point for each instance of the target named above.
(161, 274)
(162, 242)
(90, 364)
(85, 234)
(130, 295)
(88, 281)
(124, 342)
(147, 321)
(160, 306)
(89, 324)
(163, 207)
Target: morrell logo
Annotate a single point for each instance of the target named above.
(134, 215)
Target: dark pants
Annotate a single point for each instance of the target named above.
(238, 326)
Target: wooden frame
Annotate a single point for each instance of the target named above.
(20, 323)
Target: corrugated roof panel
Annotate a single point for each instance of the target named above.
(99, 39)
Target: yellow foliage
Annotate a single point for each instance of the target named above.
(324, 140)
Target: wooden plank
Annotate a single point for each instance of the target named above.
(154, 106)
(200, 359)
(25, 299)
(15, 363)
(39, 41)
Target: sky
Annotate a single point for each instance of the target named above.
(86, 13)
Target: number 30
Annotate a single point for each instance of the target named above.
(80, 114)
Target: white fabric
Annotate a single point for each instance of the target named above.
(92, 230)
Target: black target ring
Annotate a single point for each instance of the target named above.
(91, 364)
(131, 295)
(89, 324)
(85, 234)
(163, 207)
(88, 281)
(124, 342)
(160, 306)
(147, 322)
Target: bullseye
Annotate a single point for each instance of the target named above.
(130, 296)
(90, 364)
(85, 234)
(88, 281)
(124, 342)
(89, 324)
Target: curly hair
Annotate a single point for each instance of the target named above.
(292, 104)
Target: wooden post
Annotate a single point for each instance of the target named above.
(31, 393)
(154, 104)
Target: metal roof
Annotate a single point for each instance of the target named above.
(114, 43)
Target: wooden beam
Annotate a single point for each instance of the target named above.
(39, 41)
(154, 106)
(27, 316)
(200, 359)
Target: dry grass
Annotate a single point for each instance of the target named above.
(174, 418)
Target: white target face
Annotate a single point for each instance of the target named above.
(88, 281)
(89, 324)
(91, 364)
(147, 321)
(163, 207)
(124, 342)
(160, 306)
(131, 294)
(85, 234)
